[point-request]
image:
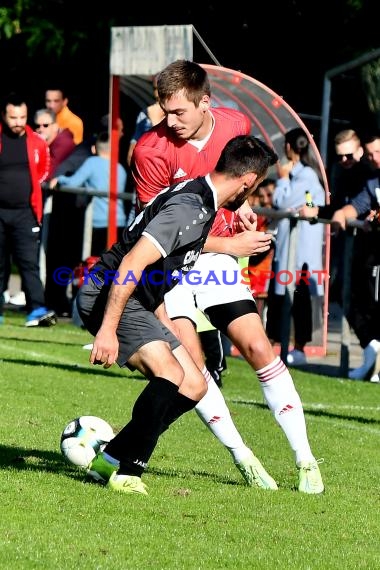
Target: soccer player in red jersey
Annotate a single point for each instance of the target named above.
(184, 145)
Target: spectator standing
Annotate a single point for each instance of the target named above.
(57, 101)
(365, 269)
(297, 176)
(61, 145)
(347, 178)
(94, 173)
(60, 140)
(81, 151)
(76, 204)
(24, 165)
(186, 144)
(70, 249)
(350, 169)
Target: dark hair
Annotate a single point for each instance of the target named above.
(371, 137)
(266, 182)
(300, 144)
(102, 137)
(57, 87)
(244, 154)
(183, 75)
(298, 141)
(102, 142)
(12, 98)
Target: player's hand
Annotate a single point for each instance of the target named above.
(105, 349)
(245, 220)
(249, 243)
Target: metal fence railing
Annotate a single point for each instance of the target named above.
(345, 342)
(267, 212)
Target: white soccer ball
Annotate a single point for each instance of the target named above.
(83, 438)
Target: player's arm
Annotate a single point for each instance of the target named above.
(243, 244)
(106, 344)
(341, 216)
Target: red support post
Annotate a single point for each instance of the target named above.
(114, 113)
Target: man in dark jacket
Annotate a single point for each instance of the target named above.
(365, 282)
(24, 165)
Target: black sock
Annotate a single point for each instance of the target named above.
(178, 406)
(135, 443)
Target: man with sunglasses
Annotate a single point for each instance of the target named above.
(356, 198)
(58, 254)
(365, 271)
(347, 176)
(349, 170)
(61, 141)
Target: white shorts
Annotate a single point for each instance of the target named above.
(216, 279)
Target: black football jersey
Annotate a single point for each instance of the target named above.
(177, 221)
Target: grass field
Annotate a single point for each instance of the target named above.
(199, 514)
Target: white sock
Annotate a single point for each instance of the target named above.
(284, 402)
(213, 411)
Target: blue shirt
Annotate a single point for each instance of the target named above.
(369, 198)
(290, 194)
(143, 124)
(94, 173)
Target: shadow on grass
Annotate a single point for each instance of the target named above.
(98, 370)
(24, 459)
(317, 413)
(331, 370)
(180, 474)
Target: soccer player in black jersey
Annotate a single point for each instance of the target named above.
(122, 298)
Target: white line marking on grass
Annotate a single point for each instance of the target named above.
(349, 424)
(345, 423)
(39, 355)
(320, 406)
(314, 406)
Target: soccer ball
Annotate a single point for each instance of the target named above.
(83, 438)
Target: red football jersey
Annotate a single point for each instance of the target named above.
(161, 159)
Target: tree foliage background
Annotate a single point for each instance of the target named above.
(286, 44)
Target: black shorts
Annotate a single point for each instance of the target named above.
(137, 325)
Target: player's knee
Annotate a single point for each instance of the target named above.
(194, 387)
(257, 349)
